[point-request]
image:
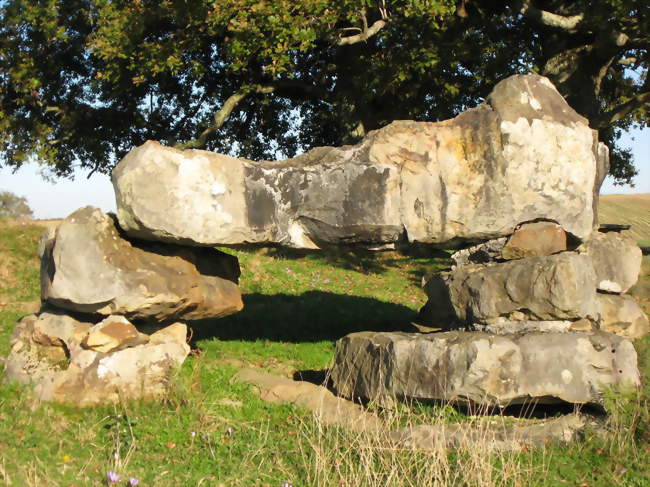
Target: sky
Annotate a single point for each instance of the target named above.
(59, 199)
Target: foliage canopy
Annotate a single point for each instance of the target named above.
(83, 81)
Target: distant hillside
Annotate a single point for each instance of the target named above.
(630, 209)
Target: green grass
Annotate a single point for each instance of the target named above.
(296, 306)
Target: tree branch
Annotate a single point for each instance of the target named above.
(365, 34)
(622, 110)
(222, 115)
(288, 88)
(546, 18)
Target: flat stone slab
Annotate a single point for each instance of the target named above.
(89, 267)
(522, 155)
(555, 287)
(481, 368)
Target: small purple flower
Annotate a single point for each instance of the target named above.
(193, 434)
(133, 481)
(287, 484)
(113, 478)
(2, 359)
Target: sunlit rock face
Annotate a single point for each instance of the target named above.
(89, 267)
(520, 156)
(482, 368)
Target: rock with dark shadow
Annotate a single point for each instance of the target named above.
(522, 155)
(88, 266)
(482, 369)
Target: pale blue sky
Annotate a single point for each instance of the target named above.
(59, 199)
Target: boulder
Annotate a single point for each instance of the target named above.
(49, 351)
(622, 315)
(481, 368)
(535, 239)
(616, 259)
(556, 287)
(89, 267)
(522, 155)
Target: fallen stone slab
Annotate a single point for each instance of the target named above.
(329, 409)
(89, 267)
(522, 155)
(482, 369)
(50, 352)
(622, 315)
(492, 433)
(556, 287)
(616, 259)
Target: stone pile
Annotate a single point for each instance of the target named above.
(84, 347)
(523, 318)
(519, 174)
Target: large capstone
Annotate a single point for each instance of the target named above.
(556, 287)
(522, 155)
(482, 368)
(89, 267)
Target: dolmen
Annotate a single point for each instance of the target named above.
(535, 310)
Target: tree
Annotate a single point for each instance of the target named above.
(12, 206)
(83, 81)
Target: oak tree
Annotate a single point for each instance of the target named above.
(83, 81)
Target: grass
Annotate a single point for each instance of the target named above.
(213, 431)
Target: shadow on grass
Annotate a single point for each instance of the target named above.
(365, 261)
(311, 317)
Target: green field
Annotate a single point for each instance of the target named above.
(213, 431)
(628, 209)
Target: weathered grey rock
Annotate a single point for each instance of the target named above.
(616, 259)
(89, 267)
(522, 155)
(622, 315)
(507, 327)
(491, 434)
(535, 239)
(482, 369)
(556, 287)
(47, 352)
(483, 253)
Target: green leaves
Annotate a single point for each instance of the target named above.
(83, 81)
